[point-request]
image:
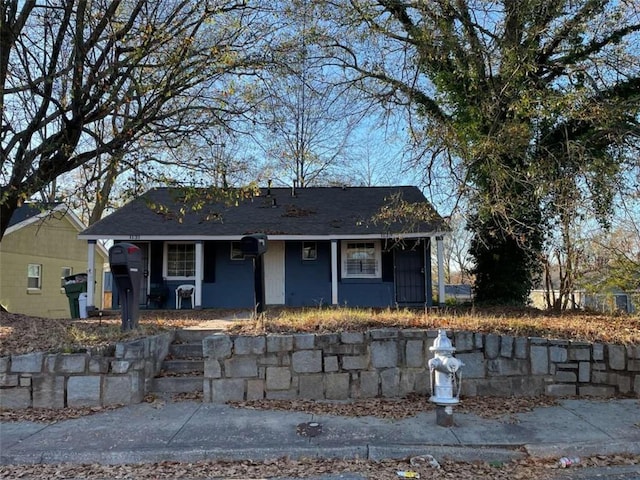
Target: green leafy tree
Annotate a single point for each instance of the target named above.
(530, 101)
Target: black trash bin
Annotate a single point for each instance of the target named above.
(74, 285)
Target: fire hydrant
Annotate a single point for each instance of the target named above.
(445, 379)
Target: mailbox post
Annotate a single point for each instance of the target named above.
(125, 260)
(255, 246)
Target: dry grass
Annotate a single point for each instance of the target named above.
(23, 334)
(579, 326)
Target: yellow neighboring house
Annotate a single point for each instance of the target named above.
(39, 249)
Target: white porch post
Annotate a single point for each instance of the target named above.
(199, 274)
(334, 272)
(91, 274)
(440, 249)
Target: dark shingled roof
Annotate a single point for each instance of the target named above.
(30, 209)
(314, 211)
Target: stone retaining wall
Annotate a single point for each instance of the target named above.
(113, 376)
(393, 363)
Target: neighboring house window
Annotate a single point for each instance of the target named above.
(34, 276)
(65, 272)
(309, 250)
(236, 251)
(361, 259)
(181, 260)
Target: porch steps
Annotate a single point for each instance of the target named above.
(183, 369)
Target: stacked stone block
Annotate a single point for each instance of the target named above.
(336, 366)
(90, 379)
(394, 363)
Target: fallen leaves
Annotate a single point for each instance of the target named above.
(50, 415)
(393, 409)
(21, 334)
(527, 468)
(396, 409)
(281, 467)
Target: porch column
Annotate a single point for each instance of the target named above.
(199, 274)
(440, 249)
(91, 274)
(334, 272)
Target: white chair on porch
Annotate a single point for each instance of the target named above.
(185, 291)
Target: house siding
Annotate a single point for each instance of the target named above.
(226, 283)
(229, 283)
(366, 293)
(233, 285)
(52, 243)
(308, 282)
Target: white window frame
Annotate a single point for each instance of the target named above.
(313, 247)
(165, 262)
(38, 277)
(348, 245)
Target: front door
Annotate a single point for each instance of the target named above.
(274, 273)
(409, 276)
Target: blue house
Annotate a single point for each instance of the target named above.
(353, 246)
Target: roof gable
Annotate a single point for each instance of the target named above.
(30, 213)
(280, 212)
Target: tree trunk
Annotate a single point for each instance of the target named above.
(7, 207)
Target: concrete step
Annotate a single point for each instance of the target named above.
(183, 366)
(183, 369)
(175, 384)
(185, 350)
(193, 335)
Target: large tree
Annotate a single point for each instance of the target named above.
(306, 121)
(148, 71)
(531, 102)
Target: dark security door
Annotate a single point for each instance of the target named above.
(409, 276)
(144, 278)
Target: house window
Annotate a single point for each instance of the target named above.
(361, 259)
(309, 251)
(34, 276)
(236, 251)
(65, 272)
(181, 260)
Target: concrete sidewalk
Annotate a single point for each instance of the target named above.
(193, 431)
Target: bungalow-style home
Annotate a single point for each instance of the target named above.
(353, 246)
(39, 253)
